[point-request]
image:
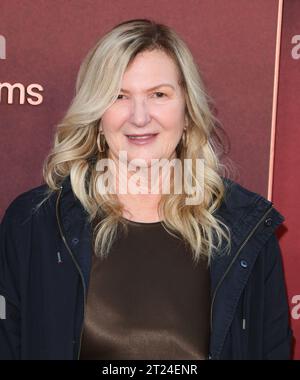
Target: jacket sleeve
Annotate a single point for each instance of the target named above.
(278, 335)
(10, 323)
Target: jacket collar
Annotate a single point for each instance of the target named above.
(241, 210)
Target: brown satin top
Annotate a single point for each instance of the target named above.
(147, 300)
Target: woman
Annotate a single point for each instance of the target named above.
(92, 272)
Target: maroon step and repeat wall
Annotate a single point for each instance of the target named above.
(43, 42)
(286, 182)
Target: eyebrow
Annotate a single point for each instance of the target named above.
(154, 88)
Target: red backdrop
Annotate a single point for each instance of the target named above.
(287, 160)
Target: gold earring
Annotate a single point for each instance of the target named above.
(185, 139)
(101, 144)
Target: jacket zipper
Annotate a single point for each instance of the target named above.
(233, 260)
(244, 311)
(244, 336)
(74, 261)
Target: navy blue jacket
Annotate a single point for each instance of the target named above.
(45, 261)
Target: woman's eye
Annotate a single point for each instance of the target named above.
(159, 94)
(156, 94)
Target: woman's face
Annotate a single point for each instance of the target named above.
(151, 102)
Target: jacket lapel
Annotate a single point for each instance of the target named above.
(77, 229)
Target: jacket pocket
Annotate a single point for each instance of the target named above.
(239, 329)
(283, 350)
(10, 335)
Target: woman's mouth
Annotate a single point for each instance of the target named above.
(142, 139)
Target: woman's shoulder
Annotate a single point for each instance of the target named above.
(238, 195)
(241, 203)
(25, 204)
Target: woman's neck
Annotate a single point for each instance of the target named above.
(141, 191)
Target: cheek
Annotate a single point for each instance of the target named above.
(112, 123)
(173, 126)
(173, 123)
(171, 116)
(113, 119)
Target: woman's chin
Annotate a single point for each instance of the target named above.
(142, 160)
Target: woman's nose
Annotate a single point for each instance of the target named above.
(140, 113)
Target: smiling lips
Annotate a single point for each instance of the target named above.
(142, 138)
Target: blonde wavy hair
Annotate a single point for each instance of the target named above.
(75, 152)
